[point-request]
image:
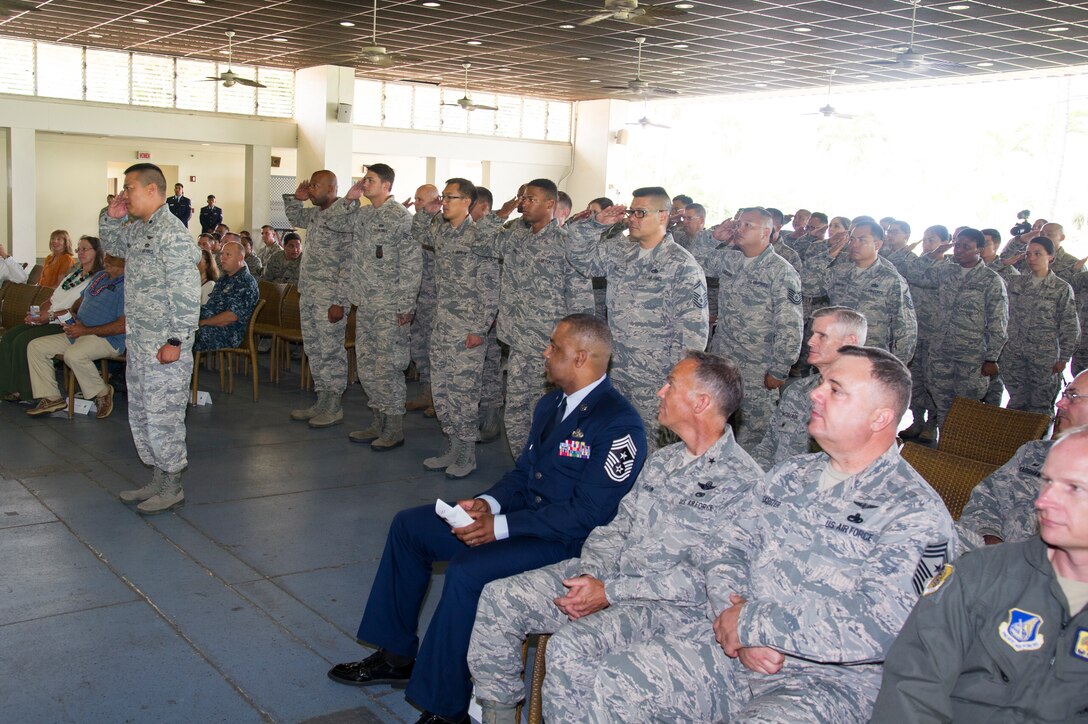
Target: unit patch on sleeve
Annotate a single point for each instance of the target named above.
(1080, 644)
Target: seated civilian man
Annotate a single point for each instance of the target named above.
(638, 577)
(96, 331)
(1002, 507)
(224, 318)
(1002, 634)
(813, 580)
(585, 449)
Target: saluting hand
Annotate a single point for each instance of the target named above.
(302, 193)
(118, 206)
(355, 192)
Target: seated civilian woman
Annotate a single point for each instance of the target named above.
(14, 373)
(60, 259)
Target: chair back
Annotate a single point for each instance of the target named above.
(291, 315)
(272, 294)
(35, 274)
(247, 341)
(17, 301)
(988, 433)
(952, 476)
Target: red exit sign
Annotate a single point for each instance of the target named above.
(143, 155)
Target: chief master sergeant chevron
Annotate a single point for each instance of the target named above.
(162, 308)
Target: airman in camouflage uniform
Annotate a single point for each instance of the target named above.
(539, 286)
(160, 325)
(384, 284)
(1043, 332)
(787, 433)
(814, 578)
(427, 205)
(996, 388)
(1080, 293)
(872, 286)
(323, 285)
(696, 235)
(781, 248)
(657, 305)
(759, 319)
(970, 328)
(468, 291)
(647, 562)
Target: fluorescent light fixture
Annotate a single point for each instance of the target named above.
(983, 65)
(777, 62)
(93, 35)
(432, 5)
(678, 72)
(760, 85)
(862, 76)
(582, 57)
(683, 6)
(279, 40)
(594, 81)
(802, 29)
(473, 42)
(567, 26)
(680, 46)
(347, 23)
(1057, 29)
(141, 21)
(959, 7)
(197, 2)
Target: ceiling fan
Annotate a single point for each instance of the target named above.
(637, 86)
(828, 111)
(910, 59)
(629, 11)
(229, 77)
(645, 122)
(466, 101)
(377, 54)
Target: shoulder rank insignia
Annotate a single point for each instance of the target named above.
(1080, 644)
(621, 459)
(938, 580)
(1021, 630)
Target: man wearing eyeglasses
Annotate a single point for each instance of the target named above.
(1002, 507)
(657, 301)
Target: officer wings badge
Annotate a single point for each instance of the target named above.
(1021, 630)
(621, 459)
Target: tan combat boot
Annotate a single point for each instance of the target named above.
(313, 410)
(422, 402)
(447, 458)
(141, 494)
(170, 495)
(465, 462)
(369, 433)
(392, 433)
(333, 414)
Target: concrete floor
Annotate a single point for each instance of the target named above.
(233, 607)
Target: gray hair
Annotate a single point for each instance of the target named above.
(720, 378)
(849, 321)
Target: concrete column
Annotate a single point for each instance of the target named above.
(600, 151)
(432, 171)
(258, 179)
(324, 142)
(22, 186)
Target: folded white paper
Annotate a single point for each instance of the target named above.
(455, 515)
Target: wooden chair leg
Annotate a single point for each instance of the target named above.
(253, 371)
(537, 685)
(196, 375)
(70, 386)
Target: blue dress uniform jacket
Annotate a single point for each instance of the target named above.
(181, 207)
(559, 490)
(210, 217)
(566, 485)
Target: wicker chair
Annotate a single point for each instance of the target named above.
(289, 332)
(534, 699)
(17, 301)
(349, 345)
(34, 276)
(272, 313)
(225, 358)
(952, 476)
(988, 433)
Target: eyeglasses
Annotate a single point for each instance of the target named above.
(641, 213)
(449, 197)
(1068, 394)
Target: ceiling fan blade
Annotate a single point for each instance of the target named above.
(844, 115)
(617, 87)
(644, 19)
(596, 19)
(662, 91)
(213, 77)
(663, 11)
(250, 83)
(486, 108)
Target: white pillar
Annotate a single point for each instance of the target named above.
(22, 186)
(323, 141)
(258, 178)
(599, 157)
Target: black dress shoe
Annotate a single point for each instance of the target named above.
(374, 669)
(429, 718)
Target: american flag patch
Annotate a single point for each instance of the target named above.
(574, 449)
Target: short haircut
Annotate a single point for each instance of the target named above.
(888, 220)
(547, 186)
(147, 174)
(698, 209)
(217, 236)
(682, 198)
(1045, 243)
(231, 236)
(777, 217)
(993, 234)
(210, 267)
(589, 328)
(208, 236)
(819, 216)
(383, 171)
(291, 236)
(563, 200)
(844, 220)
(465, 187)
(874, 226)
(849, 321)
(603, 201)
(225, 226)
(973, 234)
(763, 213)
(888, 371)
(720, 378)
(654, 192)
(941, 231)
(904, 226)
(484, 194)
(211, 197)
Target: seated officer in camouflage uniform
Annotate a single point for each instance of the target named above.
(1002, 634)
(637, 577)
(787, 433)
(1002, 507)
(224, 318)
(813, 577)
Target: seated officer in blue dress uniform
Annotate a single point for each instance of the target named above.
(585, 449)
(224, 317)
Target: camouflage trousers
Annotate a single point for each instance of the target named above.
(921, 391)
(525, 384)
(324, 344)
(158, 396)
(381, 349)
(424, 320)
(456, 376)
(642, 394)
(689, 678)
(948, 378)
(491, 392)
(756, 408)
(1080, 357)
(1031, 385)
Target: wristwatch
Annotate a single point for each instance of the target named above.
(174, 342)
